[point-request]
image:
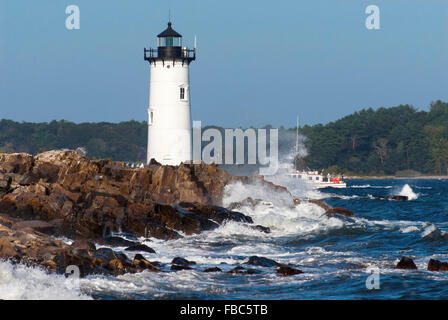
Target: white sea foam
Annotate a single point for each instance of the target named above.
(18, 282)
(344, 197)
(432, 232)
(363, 186)
(278, 213)
(408, 192)
(409, 229)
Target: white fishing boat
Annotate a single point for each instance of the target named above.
(316, 179)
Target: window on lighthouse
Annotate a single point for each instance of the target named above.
(182, 93)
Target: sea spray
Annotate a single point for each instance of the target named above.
(19, 282)
(408, 192)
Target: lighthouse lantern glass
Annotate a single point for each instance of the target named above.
(170, 42)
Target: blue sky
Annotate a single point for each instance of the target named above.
(259, 62)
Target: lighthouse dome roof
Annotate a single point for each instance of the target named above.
(169, 32)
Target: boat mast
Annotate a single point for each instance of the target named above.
(297, 145)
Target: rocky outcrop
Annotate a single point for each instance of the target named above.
(262, 262)
(242, 271)
(392, 197)
(179, 263)
(64, 193)
(436, 265)
(397, 198)
(214, 269)
(140, 247)
(333, 212)
(406, 263)
(182, 261)
(340, 211)
(288, 271)
(36, 248)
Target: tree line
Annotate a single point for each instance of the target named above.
(397, 140)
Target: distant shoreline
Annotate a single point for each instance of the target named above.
(395, 178)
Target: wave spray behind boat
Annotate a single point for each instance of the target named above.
(407, 191)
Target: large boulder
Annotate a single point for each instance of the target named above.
(262, 262)
(436, 265)
(140, 247)
(406, 263)
(182, 261)
(288, 271)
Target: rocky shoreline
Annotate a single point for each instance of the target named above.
(61, 193)
(64, 194)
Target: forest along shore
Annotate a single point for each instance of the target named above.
(63, 194)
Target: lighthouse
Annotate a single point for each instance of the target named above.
(169, 112)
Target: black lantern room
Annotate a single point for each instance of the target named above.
(169, 47)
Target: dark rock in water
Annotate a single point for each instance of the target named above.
(333, 212)
(182, 262)
(262, 262)
(138, 256)
(236, 270)
(140, 247)
(261, 228)
(117, 242)
(320, 204)
(251, 271)
(406, 263)
(215, 269)
(436, 265)
(241, 270)
(288, 271)
(342, 211)
(143, 264)
(176, 267)
(397, 198)
(157, 264)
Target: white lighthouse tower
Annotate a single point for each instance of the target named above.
(169, 123)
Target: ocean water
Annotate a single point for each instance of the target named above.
(333, 253)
